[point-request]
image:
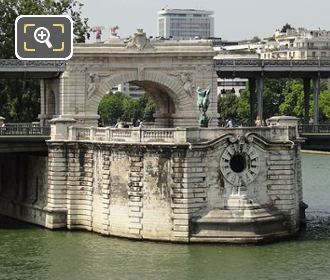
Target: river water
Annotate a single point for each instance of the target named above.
(29, 252)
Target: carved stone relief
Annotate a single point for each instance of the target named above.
(240, 163)
(186, 80)
(94, 82)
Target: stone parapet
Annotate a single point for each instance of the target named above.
(177, 135)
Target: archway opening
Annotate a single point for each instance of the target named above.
(138, 101)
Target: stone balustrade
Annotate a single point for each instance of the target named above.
(175, 135)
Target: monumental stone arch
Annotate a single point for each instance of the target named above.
(170, 71)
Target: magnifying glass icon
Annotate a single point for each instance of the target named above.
(41, 35)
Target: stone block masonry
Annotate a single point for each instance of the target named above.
(179, 192)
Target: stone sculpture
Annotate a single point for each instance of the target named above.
(94, 81)
(139, 41)
(203, 105)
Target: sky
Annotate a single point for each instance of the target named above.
(234, 19)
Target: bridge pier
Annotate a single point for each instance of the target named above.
(316, 93)
(260, 99)
(253, 100)
(307, 90)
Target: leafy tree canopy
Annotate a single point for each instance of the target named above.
(286, 27)
(281, 97)
(20, 100)
(114, 106)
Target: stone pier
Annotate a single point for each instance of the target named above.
(184, 185)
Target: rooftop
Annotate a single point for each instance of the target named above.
(166, 11)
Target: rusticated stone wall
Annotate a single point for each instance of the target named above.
(157, 190)
(124, 190)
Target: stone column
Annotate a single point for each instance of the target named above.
(59, 128)
(307, 90)
(316, 93)
(252, 90)
(260, 105)
(42, 115)
(2, 121)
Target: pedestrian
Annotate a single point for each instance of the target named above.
(229, 123)
(137, 123)
(119, 124)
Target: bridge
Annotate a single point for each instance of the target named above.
(16, 138)
(120, 181)
(256, 70)
(19, 69)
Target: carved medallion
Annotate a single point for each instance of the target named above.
(240, 164)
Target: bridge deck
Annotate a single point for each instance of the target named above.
(18, 69)
(273, 68)
(23, 138)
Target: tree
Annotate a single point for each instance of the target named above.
(227, 107)
(324, 103)
(20, 99)
(293, 103)
(286, 27)
(114, 106)
(243, 107)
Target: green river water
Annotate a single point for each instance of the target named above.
(29, 252)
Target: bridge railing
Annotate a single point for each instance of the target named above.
(127, 135)
(24, 130)
(257, 62)
(174, 135)
(36, 65)
(314, 128)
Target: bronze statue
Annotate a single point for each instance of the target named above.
(203, 104)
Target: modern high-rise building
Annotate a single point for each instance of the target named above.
(185, 23)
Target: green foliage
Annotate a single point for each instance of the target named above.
(227, 107)
(324, 103)
(117, 105)
(273, 96)
(293, 103)
(11, 9)
(281, 97)
(286, 27)
(20, 101)
(243, 108)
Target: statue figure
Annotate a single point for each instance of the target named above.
(203, 104)
(98, 32)
(113, 31)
